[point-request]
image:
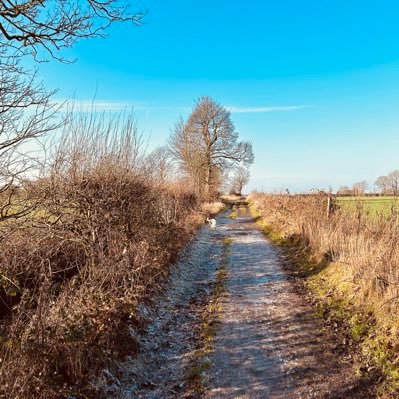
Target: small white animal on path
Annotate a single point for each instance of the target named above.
(212, 223)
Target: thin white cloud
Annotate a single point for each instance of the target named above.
(98, 105)
(115, 106)
(243, 110)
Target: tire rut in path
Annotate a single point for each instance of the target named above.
(269, 343)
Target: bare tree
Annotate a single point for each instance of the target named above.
(26, 114)
(383, 185)
(359, 188)
(344, 190)
(393, 178)
(240, 178)
(207, 144)
(185, 148)
(388, 184)
(160, 165)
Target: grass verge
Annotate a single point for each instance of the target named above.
(373, 346)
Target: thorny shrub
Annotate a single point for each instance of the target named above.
(74, 268)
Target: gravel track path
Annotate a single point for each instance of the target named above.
(268, 344)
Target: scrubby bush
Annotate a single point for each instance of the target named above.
(96, 243)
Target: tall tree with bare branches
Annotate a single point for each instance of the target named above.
(394, 181)
(26, 114)
(184, 147)
(383, 185)
(207, 144)
(388, 184)
(359, 188)
(239, 179)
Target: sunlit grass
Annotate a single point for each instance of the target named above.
(212, 207)
(372, 206)
(349, 263)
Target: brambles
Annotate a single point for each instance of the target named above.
(74, 268)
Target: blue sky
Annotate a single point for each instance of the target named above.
(314, 84)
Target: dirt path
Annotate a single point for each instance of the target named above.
(270, 344)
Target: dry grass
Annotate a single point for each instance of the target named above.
(232, 198)
(354, 259)
(212, 208)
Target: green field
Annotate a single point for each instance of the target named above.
(374, 206)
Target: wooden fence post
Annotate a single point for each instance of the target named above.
(328, 206)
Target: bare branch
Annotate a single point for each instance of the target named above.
(35, 25)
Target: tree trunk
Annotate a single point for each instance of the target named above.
(208, 176)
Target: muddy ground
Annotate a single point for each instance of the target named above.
(268, 341)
